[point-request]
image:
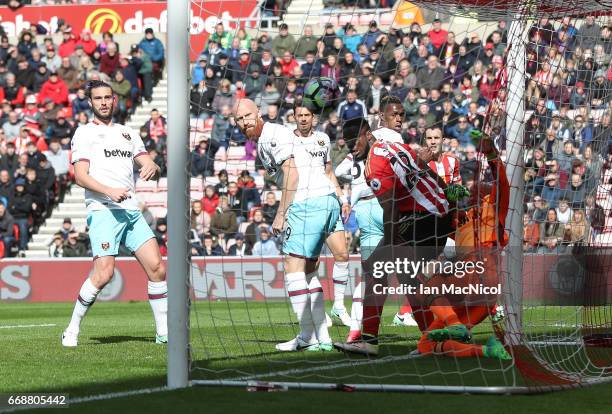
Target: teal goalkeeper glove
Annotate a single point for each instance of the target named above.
(455, 192)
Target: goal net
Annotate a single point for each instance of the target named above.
(534, 77)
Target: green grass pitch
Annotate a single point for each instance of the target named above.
(236, 340)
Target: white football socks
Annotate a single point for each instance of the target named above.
(317, 307)
(299, 296)
(340, 275)
(357, 308)
(87, 297)
(158, 299)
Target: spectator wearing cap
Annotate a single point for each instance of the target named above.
(212, 52)
(88, 44)
(240, 66)
(221, 37)
(109, 61)
(376, 63)
(284, 42)
(222, 70)
(31, 111)
(55, 89)
(199, 70)
(437, 34)
(306, 43)
(351, 38)
(69, 42)
(600, 90)
(371, 36)
(239, 248)
(51, 59)
(254, 83)
(21, 209)
(24, 76)
(59, 128)
(154, 48)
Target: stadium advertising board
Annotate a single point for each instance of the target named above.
(131, 18)
(238, 279)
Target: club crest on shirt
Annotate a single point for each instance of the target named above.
(375, 184)
(126, 135)
(321, 143)
(273, 144)
(105, 246)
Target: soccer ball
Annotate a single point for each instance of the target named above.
(320, 93)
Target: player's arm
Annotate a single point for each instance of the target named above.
(290, 183)
(82, 178)
(148, 169)
(344, 168)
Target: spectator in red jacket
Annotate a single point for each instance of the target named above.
(109, 61)
(288, 63)
(210, 201)
(55, 89)
(89, 45)
(437, 34)
(68, 44)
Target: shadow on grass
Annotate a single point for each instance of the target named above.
(118, 339)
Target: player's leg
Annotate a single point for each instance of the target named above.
(317, 306)
(141, 240)
(106, 229)
(297, 249)
(340, 274)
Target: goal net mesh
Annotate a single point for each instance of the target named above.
(533, 76)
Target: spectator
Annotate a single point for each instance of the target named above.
(88, 44)
(51, 60)
(540, 210)
(25, 74)
(6, 229)
(210, 201)
(566, 157)
(201, 99)
(551, 233)
(223, 97)
(252, 234)
(437, 35)
(461, 131)
(588, 33)
(339, 151)
(56, 248)
(331, 69)
(284, 42)
(221, 125)
(307, 43)
(161, 235)
(288, 63)
(202, 162)
(200, 220)
(220, 36)
(55, 89)
(430, 76)
(371, 36)
(270, 207)
(145, 71)
(575, 192)
(333, 129)
(583, 133)
(563, 211)
(60, 129)
(209, 248)
(156, 125)
(109, 61)
(74, 246)
(223, 223)
(12, 127)
(531, 234)
(154, 48)
(6, 188)
(123, 90)
(551, 191)
(81, 103)
(272, 115)
(352, 107)
(21, 210)
(239, 249)
(10, 160)
(69, 74)
(221, 187)
(254, 83)
(40, 77)
(578, 229)
(266, 246)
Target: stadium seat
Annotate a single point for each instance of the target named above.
(235, 153)
(196, 195)
(162, 184)
(158, 212)
(195, 184)
(214, 180)
(159, 199)
(243, 226)
(221, 154)
(259, 181)
(387, 18)
(219, 165)
(328, 19)
(345, 18)
(144, 186)
(365, 19)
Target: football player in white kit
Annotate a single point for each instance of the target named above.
(307, 214)
(103, 154)
(314, 162)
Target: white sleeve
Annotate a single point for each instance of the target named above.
(138, 146)
(80, 150)
(343, 169)
(280, 147)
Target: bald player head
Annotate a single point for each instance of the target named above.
(248, 118)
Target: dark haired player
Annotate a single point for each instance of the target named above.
(103, 154)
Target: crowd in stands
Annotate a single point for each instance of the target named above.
(42, 102)
(458, 84)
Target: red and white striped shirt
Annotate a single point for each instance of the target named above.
(447, 168)
(394, 166)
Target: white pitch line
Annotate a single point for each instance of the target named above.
(27, 326)
(297, 371)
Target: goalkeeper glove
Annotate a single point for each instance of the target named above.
(477, 137)
(455, 192)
